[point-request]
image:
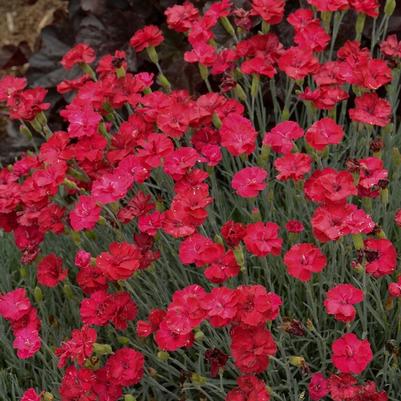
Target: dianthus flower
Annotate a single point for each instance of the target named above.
(340, 300)
(50, 270)
(371, 109)
(85, 214)
(180, 18)
(271, 11)
(80, 53)
(318, 387)
(302, 260)
(381, 257)
(250, 388)
(350, 354)
(262, 239)
(298, 62)
(293, 166)
(249, 181)
(324, 132)
(149, 36)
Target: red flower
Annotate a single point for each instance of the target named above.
(318, 387)
(390, 47)
(217, 360)
(111, 187)
(86, 214)
(350, 354)
(14, 305)
(324, 132)
(79, 348)
(220, 306)
(262, 239)
(250, 388)
(302, 260)
(381, 257)
(179, 162)
(223, 269)
(31, 395)
(238, 135)
(78, 384)
(251, 348)
(122, 260)
(149, 36)
(50, 270)
(294, 226)
(168, 340)
(180, 18)
(368, 7)
(298, 62)
(249, 181)
(340, 301)
(80, 53)
(330, 186)
(125, 367)
(233, 232)
(293, 166)
(125, 310)
(28, 104)
(281, 138)
(271, 11)
(330, 5)
(256, 305)
(27, 342)
(98, 309)
(10, 85)
(199, 250)
(371, 109)
(394, 289)
(371, 174)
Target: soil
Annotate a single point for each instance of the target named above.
(22, 20)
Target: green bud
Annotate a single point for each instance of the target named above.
(396, 156)
(152, 53)
(360, 25)
(123, 340)
(204, 71)
(198, 379)
(76, 237)
(87, 69)
(227, 26)
(48, 396)
(163, 81)
(358, 241)
(389, 8)
(239, 256)
(216, 121)
(163, 356)
(129, 397)
(102, 349)
(264, 156)
(255, 84)
(24, 130)
(285, 115)
(120, 72)
(38, 294)
(68, 291)
(239, 92)
(199, 335)
(265, 27)
(218, 239)
(384, 196)
(23, 272)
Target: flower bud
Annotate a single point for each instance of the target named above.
(38, 294)
(24, 130)
(102, 349)
(48, 396)
(389, 8)
(360, 25)
(23, 272)
(216, 121)
(239, 257)
(163, 81)
(123, 340)
(358, 241)
(297, 361)
(198, 379)
(199, 335)
(255, 84)
(227, 26)
(240, 93)
(204, 71)
(129, 397)
(68, 291)
(163, 355)
(152, 53)
(384, 196)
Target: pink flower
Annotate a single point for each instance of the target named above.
(149, 36)
(249, 181)
(318, 387)
(86, 213)
(302, 260)
(238, 135)
(324, 132)
(381, 256)
(31, 395)
(340, 301)
(281, 138)
(350, 354)
(262, 239)
(50, 270)
(27, 342)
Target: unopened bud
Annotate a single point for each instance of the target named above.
(255, 85)
(163, 355)
(123, 340)
(384, 196)
(227, 26)
(204, 71)
(216, 121)
(129, 397)
(48, 396)
(198, 379)
(163, 81)
(152, 53)
(239, 256)
(24, 130)
(102, 349)
(358, 241)
(389, 7)
(38, 294)
(199, 335)
(68, 291)
(23, 272)
(297, 361)
(240, 93)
